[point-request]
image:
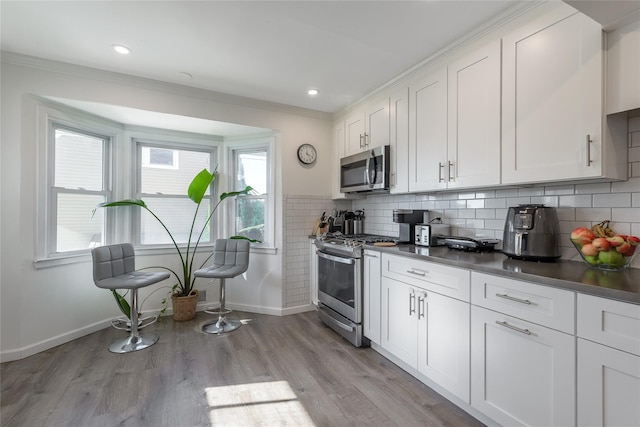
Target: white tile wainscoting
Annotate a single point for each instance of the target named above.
(470, 213)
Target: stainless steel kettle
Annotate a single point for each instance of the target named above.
(531, 232)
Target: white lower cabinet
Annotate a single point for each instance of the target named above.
(427, 330)
(608, 386)
(400, 321)
(443, 342)
(371, 296)
(608, 362)
(521, 373)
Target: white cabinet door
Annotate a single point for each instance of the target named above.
(399, 141)
(552, 99)
(371, 296)
(400, 321)
(337, 154)
(443, 342)
(623, 68)
(473, 154)
(313, 272)
(354, 138)
(377, 124)
(521, 373)
(428, 132)
(608, 386)
(368, 127)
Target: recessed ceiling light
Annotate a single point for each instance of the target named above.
(313, 92)
(121, 49)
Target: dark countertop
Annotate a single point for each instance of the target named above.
(572, 275)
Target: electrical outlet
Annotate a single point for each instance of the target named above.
(202, 295)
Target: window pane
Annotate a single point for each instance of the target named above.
(251, 170)
(250, 217)
(154, 180)
(161, 156)
(78, 161)
(177, 214)
(76, 228)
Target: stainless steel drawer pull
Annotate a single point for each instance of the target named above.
(589, 141)
(506, 325)
(510, 298)
(440, 167)
(421, 301)
(417, 272)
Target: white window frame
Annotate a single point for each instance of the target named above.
(266, 143)
(169, 140)
(49, 118)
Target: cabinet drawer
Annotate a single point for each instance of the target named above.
(612, 323)
(539, 304)
(449, 281)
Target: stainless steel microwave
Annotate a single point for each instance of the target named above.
(366, 171)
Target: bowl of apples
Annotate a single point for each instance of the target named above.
(602, 248)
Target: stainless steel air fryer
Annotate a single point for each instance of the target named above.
(531, 233)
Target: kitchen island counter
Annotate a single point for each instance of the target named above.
(573, 275)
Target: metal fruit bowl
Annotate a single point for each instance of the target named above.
(607, 260)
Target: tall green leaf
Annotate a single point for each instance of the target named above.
(199, 185)
(123, 305)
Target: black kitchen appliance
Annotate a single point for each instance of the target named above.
(407, 220)
(470, 244)
(531, 233)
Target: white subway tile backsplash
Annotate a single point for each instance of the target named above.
(511, 192)
(625, 215)
(495, 203)
(475, 204)
(593, 188)
(631, 185)
(593, 214)
(634, 124)
(581, 201)
(546, 200)
(530, 191)
(613, 200)
(515, 201)
(559, 190)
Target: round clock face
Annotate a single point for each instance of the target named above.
(307, 154)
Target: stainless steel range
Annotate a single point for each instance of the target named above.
(340, 282)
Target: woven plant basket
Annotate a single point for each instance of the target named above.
(184, 308)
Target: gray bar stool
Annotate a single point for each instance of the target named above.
(114, 267)
(230, 259)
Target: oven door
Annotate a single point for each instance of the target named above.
(340, 284)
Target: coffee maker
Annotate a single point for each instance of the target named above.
(407, 220)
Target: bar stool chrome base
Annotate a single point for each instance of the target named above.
(218, 311)
(221, 326)
(133, 343)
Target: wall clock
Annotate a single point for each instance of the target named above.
(307, 154)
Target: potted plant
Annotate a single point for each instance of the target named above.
(183, 294)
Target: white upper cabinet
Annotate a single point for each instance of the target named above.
(337, 154)
(623, 68)
(367, 128)
(473, 149)
(399, 141)
(454, 124)
(552, 99)
(428, 132)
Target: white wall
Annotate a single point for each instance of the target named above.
(45, 307)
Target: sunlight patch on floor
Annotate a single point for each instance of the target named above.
(256, 404)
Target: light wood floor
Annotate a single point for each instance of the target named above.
(273, 371)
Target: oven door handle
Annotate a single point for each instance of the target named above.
(336, 258)
(340, 325)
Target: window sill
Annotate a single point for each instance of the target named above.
(43, 263)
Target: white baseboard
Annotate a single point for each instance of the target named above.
(30, 350)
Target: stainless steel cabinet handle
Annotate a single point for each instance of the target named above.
(348, 328)
(421, 301)
(361, 141)
(417, 272)
(589, 141)
(506, 325)
(451, 164)
(510, 298)
(412, 303)
(440, 167)
(366, 143)
(371, 255)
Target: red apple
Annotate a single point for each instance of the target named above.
(616, 241)
(633, 240)
(601, 244)
(589, 250)
(626, 249)
(582, 235)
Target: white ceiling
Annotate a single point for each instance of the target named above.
(268, 50)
